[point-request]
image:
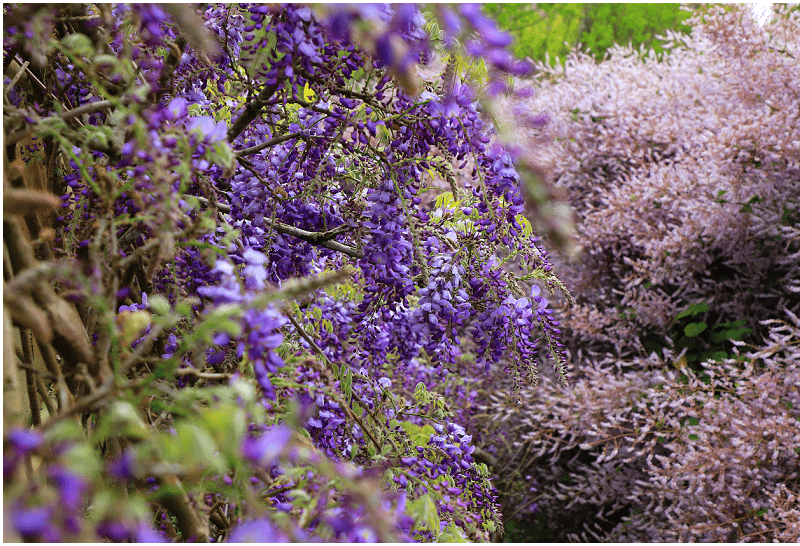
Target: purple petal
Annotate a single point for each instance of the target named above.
(123, 467)
(178, 108)
(254, 257)
(31, 521)
(70, 486)
(25, 441)
(265, 449)
(260, 530)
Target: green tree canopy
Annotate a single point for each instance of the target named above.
(539, 29)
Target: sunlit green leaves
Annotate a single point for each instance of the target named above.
(80, 44)
(695, 328)
(191, 449)
(551, 30)
(425, 514)
(122, 420)
(694, 309)
(222, 154)
(452, 533)
(226, 423)
(81, 458)
(419, 435)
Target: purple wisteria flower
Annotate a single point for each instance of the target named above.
(32, 523)
(258, 530)
(71, 487)
(260, 337)
(265, 450)
(25, 441)
(211, 130)
(178, 108)
(123, 468)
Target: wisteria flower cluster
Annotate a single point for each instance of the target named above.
(236, 301)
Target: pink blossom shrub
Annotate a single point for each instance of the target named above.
(657, 453)
(684, 174)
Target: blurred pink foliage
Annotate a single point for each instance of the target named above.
(662, 162)
(684, 174)
(659, 454)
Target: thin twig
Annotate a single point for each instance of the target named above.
(41, 388)
(220, 514)
(222, 207)
(250, 167)
(202, 375)
(143, 346)
(174, 498)
(34, 369)
(250, 112)
(267, 144)
(315, 239)
(87, 403)
(90, 108)
(344, 405)
(41, 85)
(49, 357)
(30, 376)
(18, 76)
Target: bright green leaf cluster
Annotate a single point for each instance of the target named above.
(546, 30)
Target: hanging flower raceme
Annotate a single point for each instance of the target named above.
(259, 327)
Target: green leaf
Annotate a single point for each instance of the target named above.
(222, 154)
(193, 448)
(421, 393)
(122, 418)
(527, 230)
(695, 328)
(244, 390)
(737, 334)
(425, 514)
(346, 382)
(158, 304)
(298, 495)
(420, 436)
(83, 459)
(64, 431)
(166, 369)
(445, 200)
(694, 309)
(452, 533)
(98, 136)
(226, 424)
(80, 44)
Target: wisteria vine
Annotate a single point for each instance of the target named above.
(276, 252)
